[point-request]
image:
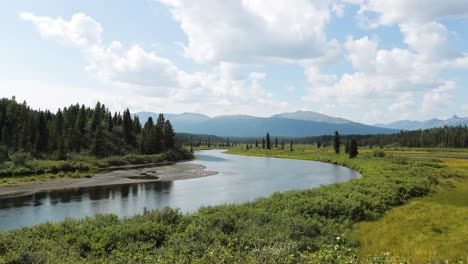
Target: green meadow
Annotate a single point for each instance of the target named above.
(404, 208)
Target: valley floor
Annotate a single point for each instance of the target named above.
(381, 217)
(428, 228)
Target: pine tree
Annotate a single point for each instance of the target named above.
(169, 135)
(319, 144)
(276, 142)
(263, 143)
(336, 143)
(43, 134)
(268, 142)
(353, 149)
(256, 143)
(282, 144)
(128, 128)
(347, 147)
(291, 146)
(247, 147)
(136, 125)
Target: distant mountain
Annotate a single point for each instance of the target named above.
(184, 117)
(313, 116)
(251, 126)
(431, 123)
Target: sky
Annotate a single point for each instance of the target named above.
(370, 61)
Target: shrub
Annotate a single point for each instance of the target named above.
(20, 158)
(378, 153)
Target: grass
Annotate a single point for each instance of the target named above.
(429, 228)
(305, 226)
(425, 228)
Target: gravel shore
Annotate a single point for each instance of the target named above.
(179, 171)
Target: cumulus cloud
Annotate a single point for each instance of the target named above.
(148, 73)
(438, 98)
(255, 31)
(390, 12)
(81, 30)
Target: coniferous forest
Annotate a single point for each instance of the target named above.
(79, 129)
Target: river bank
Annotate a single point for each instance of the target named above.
(178, 171)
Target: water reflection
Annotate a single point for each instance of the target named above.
(240, 179)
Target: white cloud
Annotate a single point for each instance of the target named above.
(403, 105)
(411, 11)
(362, 53)
(256, 30)
(438, 98)
(81, 30)
(149, 74)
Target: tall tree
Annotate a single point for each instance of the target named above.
(256, 143)
(169, 135)
(347, 147)
(353, 149)
(268, 142)
(263, 143)
(291, 146)
(43, 134)
(136, 125)
(276, 142)
(336, 143)
(128, 128)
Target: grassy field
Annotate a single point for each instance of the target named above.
(425, 228)
(319, 225)
(429, 228)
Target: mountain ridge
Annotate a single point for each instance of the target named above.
(430, 123)
(278, 125)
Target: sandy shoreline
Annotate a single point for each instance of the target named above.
(178, 171)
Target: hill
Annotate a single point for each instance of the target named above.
(251, 126)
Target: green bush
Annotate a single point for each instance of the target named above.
(378, 153)
(20, 158)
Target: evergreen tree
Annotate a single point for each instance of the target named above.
(247, 147)
(276, 142)
(353, 149)
(268, 142)
(347, 147)
(128, 128)
(319, 144)
(136, 125)
(43, 134)
(282, 144)
(291, 146)
(256, 143)
(336, 143)
(263, 143)
(169, 135)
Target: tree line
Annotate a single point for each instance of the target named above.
(443, 137)
(79, 129)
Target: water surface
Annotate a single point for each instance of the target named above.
(240, 179)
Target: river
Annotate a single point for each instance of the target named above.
(240, 179)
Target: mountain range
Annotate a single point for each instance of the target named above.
(296, 124)
(431, 123)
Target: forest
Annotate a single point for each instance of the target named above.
(440, 137)
(78, 139)
(79, 129)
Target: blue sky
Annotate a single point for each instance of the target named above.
(366, 60)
